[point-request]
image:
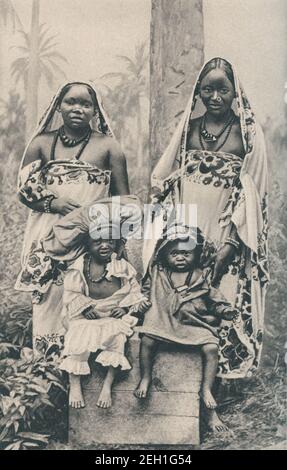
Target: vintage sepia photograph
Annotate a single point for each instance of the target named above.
(143, 230)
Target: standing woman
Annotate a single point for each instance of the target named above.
(71, 160)
(217, 160)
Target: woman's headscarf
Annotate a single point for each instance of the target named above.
(52, 119)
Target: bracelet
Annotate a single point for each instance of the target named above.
(231, 241)
(47, 204)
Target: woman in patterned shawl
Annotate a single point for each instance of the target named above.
(71, 160)
(217, 160)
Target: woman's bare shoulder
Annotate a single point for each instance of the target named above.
(42, 140)
(100, 137)
(194, 123)
(39, 147)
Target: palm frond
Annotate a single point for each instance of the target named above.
(26, 36)
(54, 55)
(131, 66)
(109, 75)
(21, 48)
(46, 41)
(20, 64)
(47, 73)
(43, 50)
(8, 12)
(56, 67)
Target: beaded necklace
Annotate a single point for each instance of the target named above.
(228, 128)
(85, 142)
(88, 270)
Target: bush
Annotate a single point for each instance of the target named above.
(32, 393)
(28, 392)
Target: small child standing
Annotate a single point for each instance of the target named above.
(99, 291)
(185, 309)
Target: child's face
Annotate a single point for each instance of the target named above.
(101, 249)
(180, 255)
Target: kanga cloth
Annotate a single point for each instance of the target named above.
(226, 190)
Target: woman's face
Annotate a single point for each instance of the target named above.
(77, 107)
(217, 92)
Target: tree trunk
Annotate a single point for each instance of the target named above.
(3, 58)
(33, 72)
(139, 139)
(176, 56)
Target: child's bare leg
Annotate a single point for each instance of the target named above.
(210, 364)
(214, 423)
(147, 351)
(76, 399)
(105, 398)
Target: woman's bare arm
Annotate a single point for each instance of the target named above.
(57, 205)
(119, 175)
(33, 154)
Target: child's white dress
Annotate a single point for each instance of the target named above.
(105, 333)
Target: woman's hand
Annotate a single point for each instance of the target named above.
(118, 312)
(229, 313)
(63, 206)
(121, 250)
(221, 260)
(143, 306)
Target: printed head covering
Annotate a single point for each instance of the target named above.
(174, 155)
(179, 232)
(52, 119)
(118, 217)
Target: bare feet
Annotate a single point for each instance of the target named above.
(105, 398)
(76, 399)
(208, 398)
(142, 388)
(214, 423)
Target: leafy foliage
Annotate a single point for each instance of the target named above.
(12, 124)
(276, 301)
(8, 13)
(27, 391)
(32, 392)
(48, 58)
(127, 103)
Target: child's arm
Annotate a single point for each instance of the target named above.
(146, 286)
(219, 306)
(76, 304)
(145, 304)
(135, 300)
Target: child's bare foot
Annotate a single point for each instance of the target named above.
(76, 399)
(142, 388)
(208, 398)
(105, 398)
(214, 423)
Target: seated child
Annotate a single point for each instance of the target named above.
(99, 290)
(185, 309)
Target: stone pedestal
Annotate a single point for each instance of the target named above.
(170, 414)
